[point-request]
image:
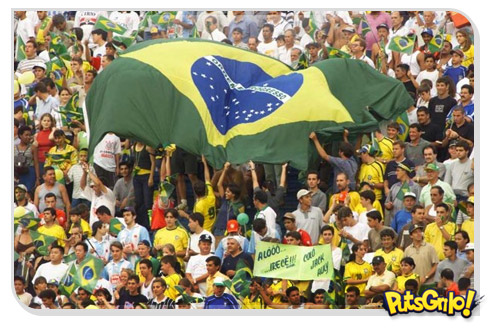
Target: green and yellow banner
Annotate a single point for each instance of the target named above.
(293, 262)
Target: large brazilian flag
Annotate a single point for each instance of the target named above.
(234, 105)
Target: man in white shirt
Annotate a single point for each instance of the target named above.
(211, 24)
(196, 270)
(279, 23)
(358, 47)
(24, 31)
(196, 221)
(353, 231)
(106, 159)
(55, 269)
(284, 52)
(268, 46)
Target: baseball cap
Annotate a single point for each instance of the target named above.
(289, 215)
(428, 31)
(457, 51)
(349, 29)
(377, 260)
(469, 246)
(205, 238)
(232, 226)
(432, 167)
(53, 282)
(219, 281)
(40, 65)
(21, 186)
(410, 194)
(368, 149)
(383, 26)
(302, 193)
(343, 196)
(129, 209)
(453, 143)
(145, 242)
(414, 227)
(404, 167)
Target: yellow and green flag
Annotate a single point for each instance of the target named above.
(88, 273)
(67, 283)
(194, 33)
(115, 226)
(404, 123)
(164, 19)
(402, 44)
(41, 241)
(337, 53)
(240, 284)
(312, 26)
(239, 104)
(21, 49)
(403, 190)
(436, 43)
(365, 28)
(108, 25)
(56, 45)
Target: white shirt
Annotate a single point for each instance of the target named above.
(194, 241)
(146, 290)
(197, 267)
(284, 55)
(269, 216)
(269, 49)
(359, 231)
(129, 21)
(279, 29)
(367, 60)
(216, 35)
(108, 199)
(432, 76)
(51, 272)
(25, 30)
(411, 60)
(106, 150)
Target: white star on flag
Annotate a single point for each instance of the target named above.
(269, 105)
(246, 118)
(208, 63)
(211, 78)
(237, 117)
(225, 90)
(262, 112)
(212, 98)
(203, 75)
(194, 73)
(265, 85)
(211, 86)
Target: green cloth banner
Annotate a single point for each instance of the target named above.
(293, 262)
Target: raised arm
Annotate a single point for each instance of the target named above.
(255, 181)
(319, 147)
(284, 171)
(221, 189)
(207, 177)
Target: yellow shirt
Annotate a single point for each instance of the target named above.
(255, 303)
(386, 147)
(276, 286)
(178, 237)
(210, 280)
(373, 173)
(469, 227)
(357, 272)
(171, 282)
(55, 231)
(469, 56)
(400, 280)
(207, 207)
(85, 228)
(336, 237)
(392, 259)
(355, 200)
(64, 159)
(434, 236)
(377, 206)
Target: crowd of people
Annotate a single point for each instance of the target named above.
(396, 205)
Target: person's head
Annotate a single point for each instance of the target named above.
(252, 44)
(412, 285)
(99, 36)
(423, 115)
(25, 134)
(133, 284)
(430, 61)
(56, 254)
(48, 297)
(383, 31)
(318, 297)
(260, 199)
(387, 239)
(146, 268)
(436, 194)
(342, 181)
(368, 197)
(116, 250)
(409, 200)
(76, 63)
(396, 18)
(40, 284)
(470, 206)
(83, 294)
(418, 213)
(110, 49)
(415, 132)
(407, 265)
(101, 294)
(233, 246)
(327, 232)
(59, 22)
(447, 275)
(458, 115)
(40, 90)
(158, 286)
(47, 121)
(205, 242)
(280, 41)
(199, 188)
(358, 250)
(358, 46)
(374, 218)
(59, 138)
(169, 250)
(211, 23)
(313, 48)
(65, 95)
(237, 35)
(427, 35)
(49, 215)
(289, 36)
(462, 150)
(106, 60)
(259, 226)
(19, 284)
(232, 192)
(196, 221)
(401, 71)
(39, 71)
(450, 248)
(469, 250)
(99, 228)
(168, 264)
(352, 295)
(81, 250)
(293, 295)
(466, 93)
(69, 305)
(312, 179)
(461, 238)
(267, 31)
(293, 238)
(442, 86)
(379, 265)
(289, 220)
(430, 154)
(144, 249)
(90, 76)
(103, 214)
(129, 215)
(402, 172)
(464, 284)
(124, 169)
(213, 264)
(274, 16)
(463, 39)
(392, 130)
(345, 216)
(442, 211)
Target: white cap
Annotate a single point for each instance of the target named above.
(302, 192)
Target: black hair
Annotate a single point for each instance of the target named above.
(417, 207)
(443, 205)
(103, 210)
(100, 32)
(417, 126)
(354, 249)
(48, 294)
(368, 194)
(48, 82)
(452, 245)
(40, 87)
(463, 144)
(83, 245)
(78, 33)
(20, 278)
(327, 227)
(258, 225)
(235, 190)
(448, 274)
(346, 149)
(269, 26)
(291, 290)
(24, 129)
(50, 210)
(344, 212)
(387, 232)
(431, 147)
(261, 196)
(147, 263)
(58, 19)
(470, 88)
(173, 212)
(423, 109)
(354, 289)
(409, 261)
(199, 188)
(464, 283)
(215, 260)
(440, 191)
(413, 284)
(293, 234)
(374, 214)
(196, 216)
(403, 67)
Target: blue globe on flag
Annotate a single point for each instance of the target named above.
(88, 273)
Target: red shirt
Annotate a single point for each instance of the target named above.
(305, 238)
(43, 144)
(453, 287)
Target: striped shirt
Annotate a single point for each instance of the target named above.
(226, 301)
(28, 64)
(166, 303)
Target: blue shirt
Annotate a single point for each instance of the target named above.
(248, 27)
(456, 74)
(401, 219)
(468, 109)
(226, 301)
(347, 166)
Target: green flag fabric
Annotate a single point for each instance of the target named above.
(56, 45)
(70, 257)
(115, 226)
(402, 44)
(71, 111)
(293, 262)
(403, 189)
(194, 32)
(240, 105)
(312, 26)
(436, 43)
(108, 25)
(404, 123)
(127, 41)
(337, 53)
(67, 283)
(240, 284)
(88, 273)
(21, 49)
(41, 242)
(164, 19)
(364, 27)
